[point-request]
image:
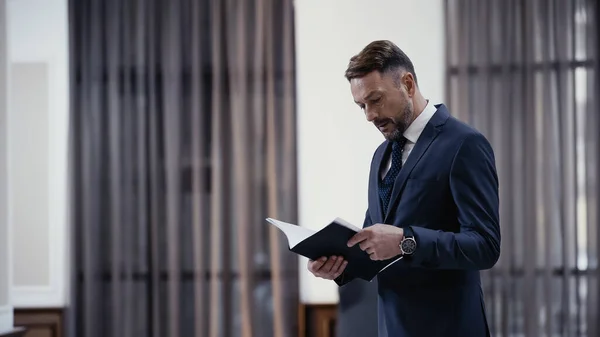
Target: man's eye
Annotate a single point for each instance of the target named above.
(376, 100)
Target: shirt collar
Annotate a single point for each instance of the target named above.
(415, 129)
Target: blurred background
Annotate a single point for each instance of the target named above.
(144, 142)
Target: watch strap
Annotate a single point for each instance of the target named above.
(408, 232)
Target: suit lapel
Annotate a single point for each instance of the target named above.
(374, 183)
(432, 129)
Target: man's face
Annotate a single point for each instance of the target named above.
(385, 102)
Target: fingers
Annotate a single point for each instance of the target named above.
(340, 269)
(366, 245)
(315, 265)
(360, 237)
(328, 268)
(333, 268)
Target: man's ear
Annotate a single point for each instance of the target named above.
(408, 81)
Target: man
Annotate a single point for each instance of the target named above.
(433, 200)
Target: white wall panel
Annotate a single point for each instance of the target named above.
(38, 99)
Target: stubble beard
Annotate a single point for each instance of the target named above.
(402, 124)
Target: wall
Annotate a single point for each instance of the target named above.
(37, 150)
(6, 311)
(335, 141)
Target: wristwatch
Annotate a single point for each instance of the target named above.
(408, 245)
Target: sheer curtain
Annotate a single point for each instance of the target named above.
(182, 142)
(525, 73)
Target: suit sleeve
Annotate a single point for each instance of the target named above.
(474, 188)
(368, 222)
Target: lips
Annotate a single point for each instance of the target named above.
(382, 126)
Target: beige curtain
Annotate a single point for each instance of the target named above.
(525, 73)
(182, 142)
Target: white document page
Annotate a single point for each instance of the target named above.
(295, 234)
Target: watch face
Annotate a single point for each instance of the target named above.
(409, 245)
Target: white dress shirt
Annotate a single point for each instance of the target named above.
(412, 134)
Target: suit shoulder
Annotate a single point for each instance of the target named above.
(465, 132)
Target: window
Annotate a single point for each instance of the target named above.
(523, 73)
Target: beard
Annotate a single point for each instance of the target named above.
(401, 122)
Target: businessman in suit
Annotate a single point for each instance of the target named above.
(433, 201)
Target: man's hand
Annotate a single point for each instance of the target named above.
(380, 241)
(327, 268)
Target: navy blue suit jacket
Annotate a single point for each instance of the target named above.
(447, 193)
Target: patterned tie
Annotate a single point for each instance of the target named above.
(386, 185)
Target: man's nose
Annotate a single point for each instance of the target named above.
(371, 114)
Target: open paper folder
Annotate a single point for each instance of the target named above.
(332, 240)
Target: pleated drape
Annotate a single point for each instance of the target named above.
(525, 73)
(182, 142)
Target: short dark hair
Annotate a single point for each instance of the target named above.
(383, 56)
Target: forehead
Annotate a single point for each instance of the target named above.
(370, 83)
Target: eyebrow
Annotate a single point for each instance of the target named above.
(371, 94)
